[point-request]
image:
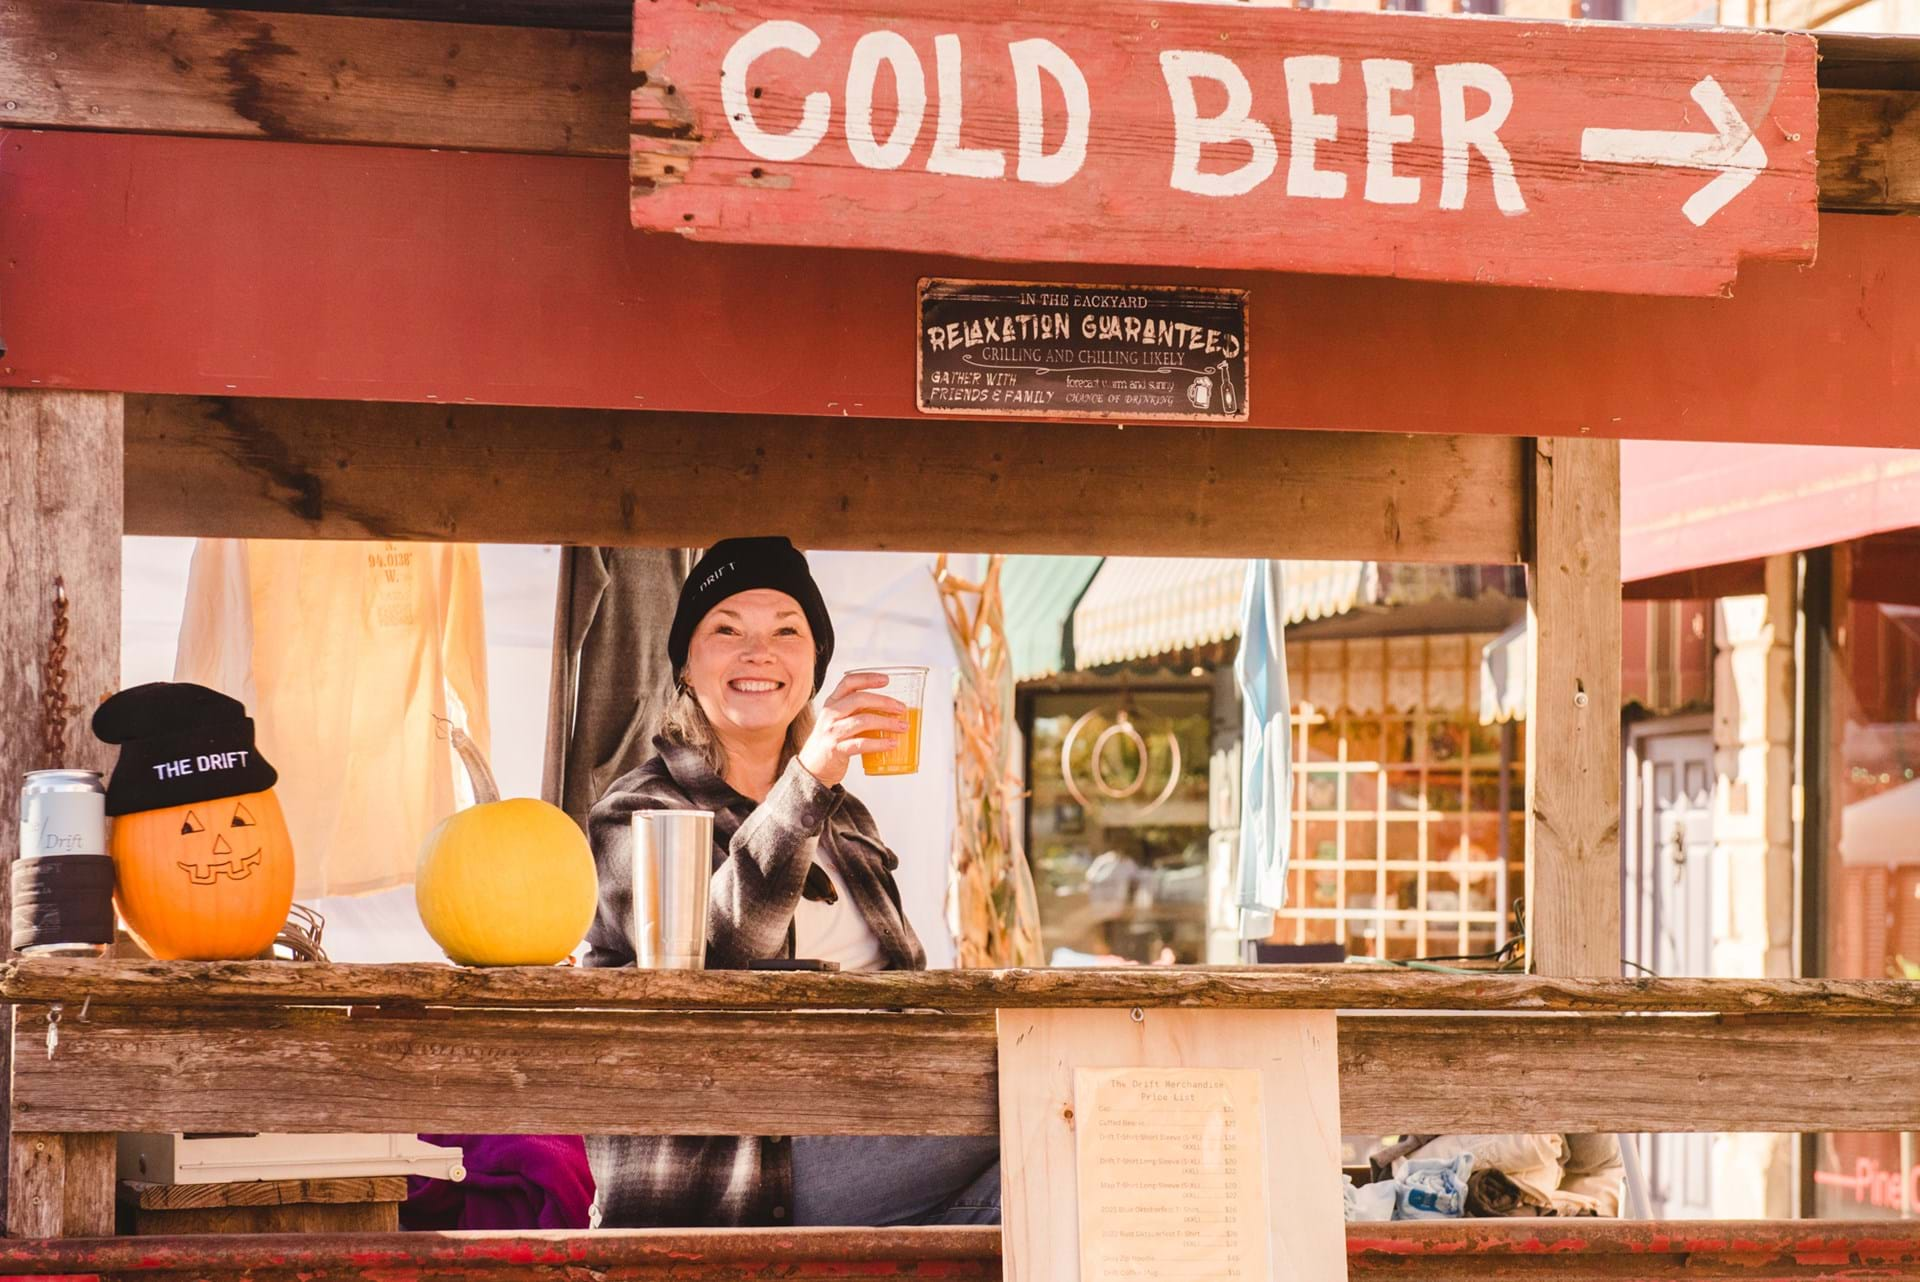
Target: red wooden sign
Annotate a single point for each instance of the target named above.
(1570, 155)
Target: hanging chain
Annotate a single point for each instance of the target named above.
(55, 708)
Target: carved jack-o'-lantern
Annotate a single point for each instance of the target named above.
(202, 863)
(207, 880)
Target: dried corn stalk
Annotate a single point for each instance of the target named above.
(991, 906)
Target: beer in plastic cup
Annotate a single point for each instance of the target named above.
(909, 686)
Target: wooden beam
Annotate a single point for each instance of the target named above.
(350, 1205)
(229, 73)
(60, 520)
(571, 15)
(291, 1069)
(255, 984)
(323, 1191)
(353, 470)
(312, 73)
(412, 986)
(1870, 150)
(1521, 1250)
(1573, 701)
(491, 278)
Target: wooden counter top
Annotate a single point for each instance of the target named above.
(1350, 987)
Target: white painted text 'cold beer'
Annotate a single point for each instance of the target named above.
(1466, 127)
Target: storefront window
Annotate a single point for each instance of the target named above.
(1409, 833)
(1872, 917)
(1118, 841)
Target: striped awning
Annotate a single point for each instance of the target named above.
(1141, 606)
(1038, 594)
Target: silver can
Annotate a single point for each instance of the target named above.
(63, 812)
(672, 868)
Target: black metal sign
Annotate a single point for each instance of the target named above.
(1126, 352)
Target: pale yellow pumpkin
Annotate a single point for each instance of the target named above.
(505, 883)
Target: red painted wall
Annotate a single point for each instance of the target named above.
(145, 263)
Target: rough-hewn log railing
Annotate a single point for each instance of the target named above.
(282, 1046)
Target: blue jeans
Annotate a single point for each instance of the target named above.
(875, 1181)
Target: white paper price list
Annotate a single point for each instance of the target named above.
(1172, 1175)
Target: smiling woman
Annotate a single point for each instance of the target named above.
(799, 870)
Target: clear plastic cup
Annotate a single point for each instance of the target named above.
(909, 686)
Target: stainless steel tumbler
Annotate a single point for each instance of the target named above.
(672, 867)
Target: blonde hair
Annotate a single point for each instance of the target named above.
(685, 722)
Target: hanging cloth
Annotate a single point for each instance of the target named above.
(347, 654)
(1266, 750)
(611, 676)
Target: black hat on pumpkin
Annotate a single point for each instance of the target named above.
(179, 743)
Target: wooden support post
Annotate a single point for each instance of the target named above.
(61, 470)
(1573, 702)
(60, 1185)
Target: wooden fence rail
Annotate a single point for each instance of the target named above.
(206, 985)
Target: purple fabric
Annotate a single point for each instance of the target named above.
(513, 1182)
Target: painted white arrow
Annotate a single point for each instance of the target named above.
(1731, 148)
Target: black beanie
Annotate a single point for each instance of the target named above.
(179, 743)
(740, 565)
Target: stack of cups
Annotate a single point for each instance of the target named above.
(672, 868)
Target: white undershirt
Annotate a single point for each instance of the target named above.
(835, 932)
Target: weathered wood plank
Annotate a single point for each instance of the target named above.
(227, 1193)
(260, 984)
(1521, 1250)
(1870, 150)
(634, 1073)
(1577, 206)
(1294, 1157)
(60, 516)
(314, 1070)
(88, 1202)
(1573, 701)
(333, 1205)
(36, 1185)
(295, 1217)
(61, 1185)
(1868, 60)
(346, 470)
(229, 73)
(571, 15)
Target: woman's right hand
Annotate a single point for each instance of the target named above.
(853, 720)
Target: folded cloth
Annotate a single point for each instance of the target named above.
(513, 1182)
(1490, 1194)
(1433, 1189)
(1382, 1160)
(1596, 1178)
(1372, 1202)
(1533, 1162)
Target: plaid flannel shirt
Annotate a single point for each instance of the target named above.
(763, 866)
